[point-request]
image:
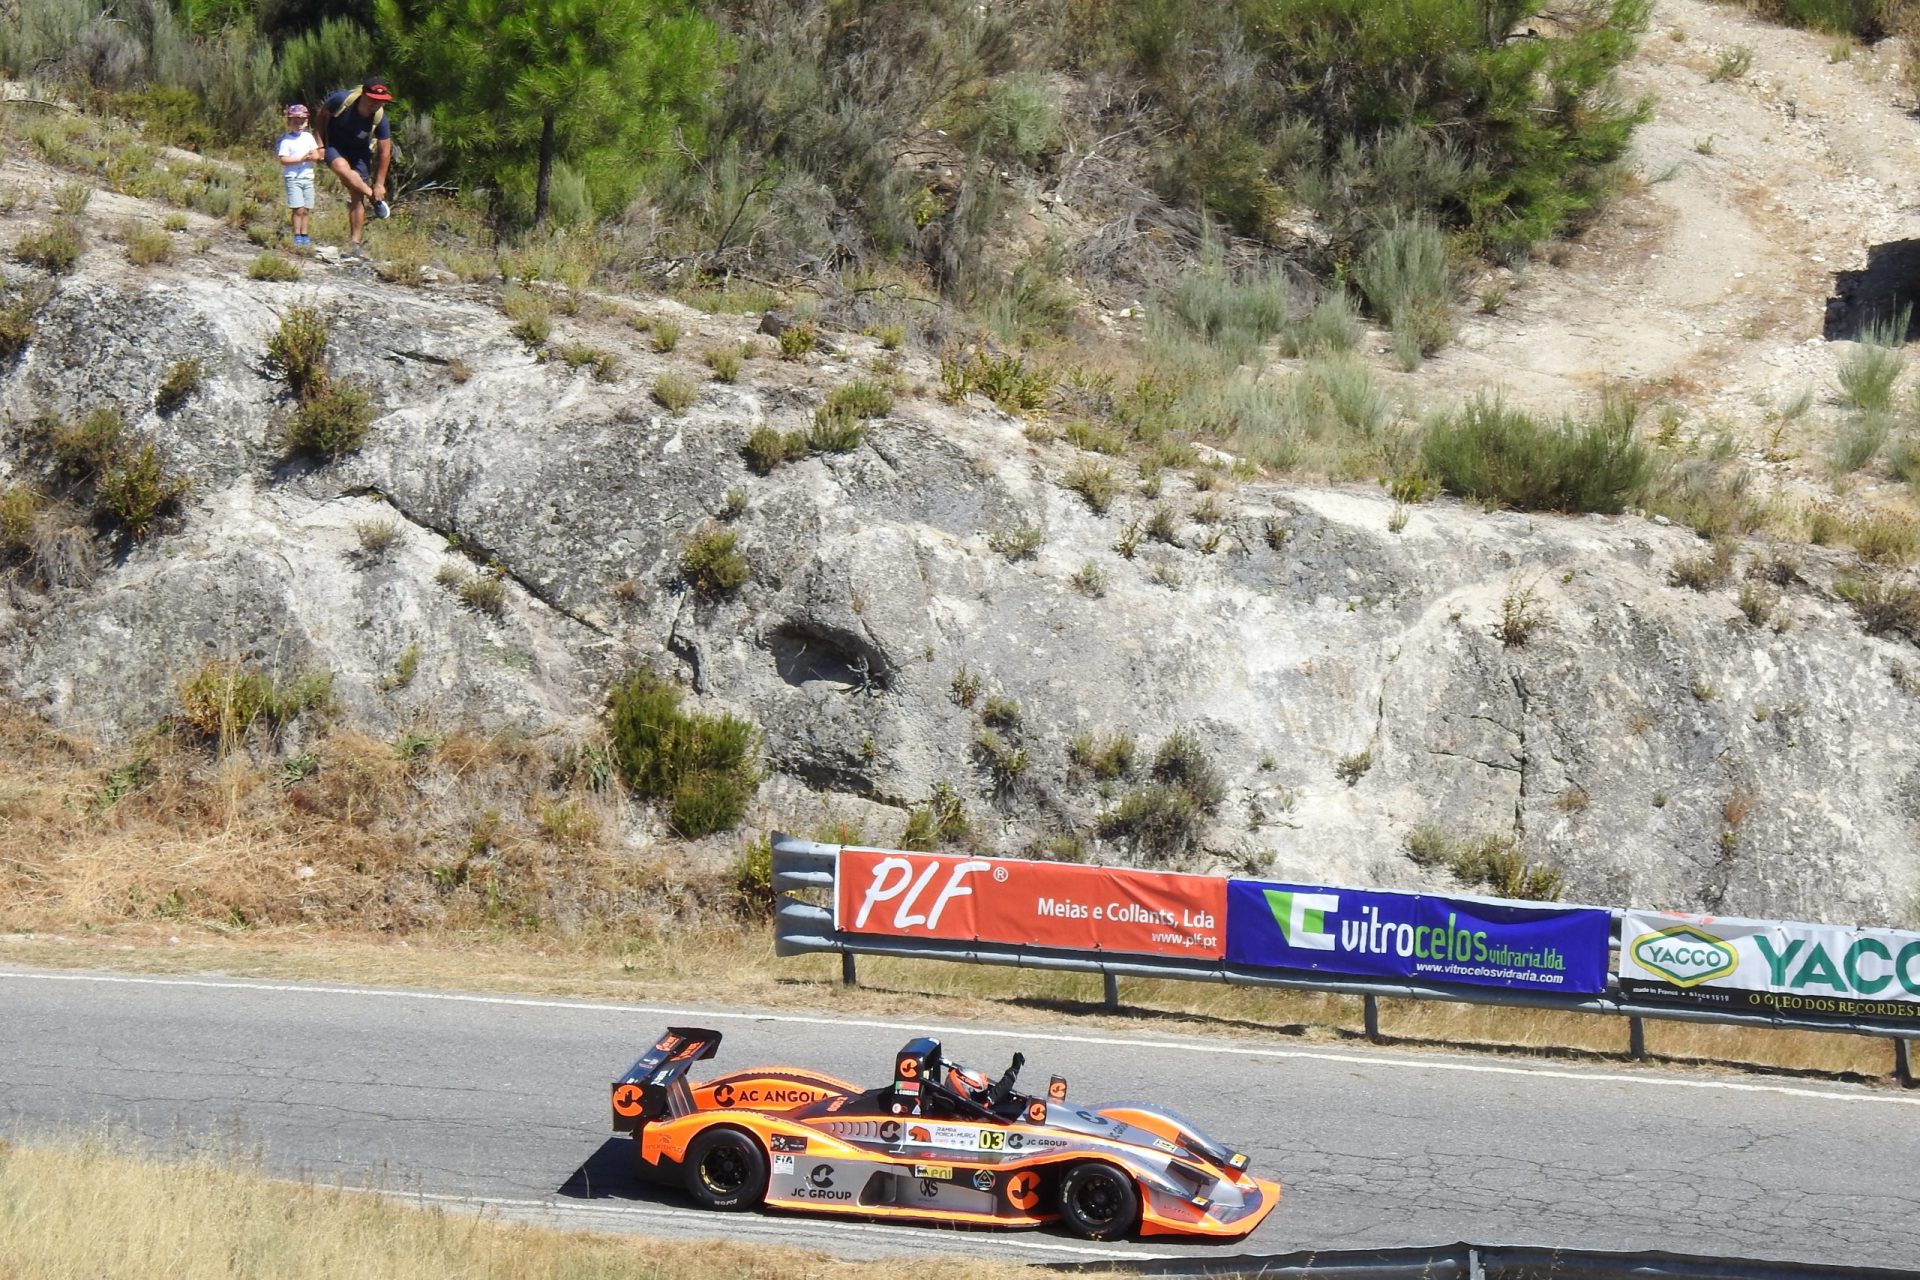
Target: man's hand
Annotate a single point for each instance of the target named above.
(379, 191)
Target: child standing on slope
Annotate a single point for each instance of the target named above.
(298, 150)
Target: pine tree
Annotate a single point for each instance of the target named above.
(601, 85)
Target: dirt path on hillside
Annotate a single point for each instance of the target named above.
(1710, 280)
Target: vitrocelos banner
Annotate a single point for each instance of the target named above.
(1038, 904)
(1417, 936)
(1765, 966)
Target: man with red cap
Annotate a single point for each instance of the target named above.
(353, 124)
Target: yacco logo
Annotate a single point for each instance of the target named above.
(893, 878)
(1302, 917)
(1684, 955)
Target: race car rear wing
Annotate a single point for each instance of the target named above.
(656, 1085)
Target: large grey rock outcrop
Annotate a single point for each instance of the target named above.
(1350, 681)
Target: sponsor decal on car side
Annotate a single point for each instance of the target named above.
(787, 1142)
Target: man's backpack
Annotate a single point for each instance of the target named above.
(379, 112)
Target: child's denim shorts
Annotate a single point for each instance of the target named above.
(299, 190)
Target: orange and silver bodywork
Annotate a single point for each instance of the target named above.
(891, 1153)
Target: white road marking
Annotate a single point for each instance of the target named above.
(1394, 1061)
(782, 1226)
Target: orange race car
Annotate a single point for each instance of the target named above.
(937, 1143)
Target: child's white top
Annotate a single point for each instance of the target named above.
(296, 144)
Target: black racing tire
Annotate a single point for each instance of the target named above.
(726, 1169)
(1098, 1201)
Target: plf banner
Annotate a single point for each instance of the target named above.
(1417, 936)
(1765, 966)
(1038, 904)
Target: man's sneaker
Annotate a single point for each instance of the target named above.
(381, 209)
(354, 251)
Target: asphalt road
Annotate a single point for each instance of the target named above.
(501, 1101)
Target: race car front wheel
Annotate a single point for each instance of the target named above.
(1098, 1201)
(726, 1169)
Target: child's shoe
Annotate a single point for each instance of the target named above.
(302, 241)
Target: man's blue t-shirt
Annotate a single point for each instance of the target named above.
(349, 132)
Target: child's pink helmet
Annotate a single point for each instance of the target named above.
(297, 111)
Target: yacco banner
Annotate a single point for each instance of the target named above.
(1765, 966)
(1038, 904)
(1416, 936)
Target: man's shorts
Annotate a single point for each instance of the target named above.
(299, 189)
(362, 165)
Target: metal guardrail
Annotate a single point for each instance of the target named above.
(802, 927)
(1480, 1262)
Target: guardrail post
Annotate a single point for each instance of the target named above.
(1636, 1038)
(1372, 1015)
(1902, 1063)
(849, 975)
(1112, 991)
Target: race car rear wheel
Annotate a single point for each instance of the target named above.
(1098, 1201)
(726, 1169)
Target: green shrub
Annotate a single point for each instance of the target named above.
(703, 765)
(1493, 453)
(1871, 367)
(711, 563)
(724, 360)
(1859, 441)
(181, 380)
(666, 336)
(54, 248)
(1330, 327)
(1019, 542)
(222, 700)
(1405, 277)
(1016, 118)
(797, 341)
(1107, 759)
(753, 877)
(1886, 605)
(1007, 380)
(148, 246)
(941, 822)
(1000, 712)
(271, 266)
(531, 314)
(859, 399)
(674, 392)
(1181, 761)
(604, 366)
(483, 593)
(136, 487)
(1159, 823)
(83, 448)
(17, 326)
(1094, 482)
(70, 199)
(767, 448)
(1499, 863)
(1704, 573)
(19, 505)
(1732, 64)
(298, 350)
(1234, 313)
(332, 421)
(835, 431)
(1005, 762)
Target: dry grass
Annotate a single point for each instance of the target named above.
(209, 1218)
(450, 831)
(486, 857)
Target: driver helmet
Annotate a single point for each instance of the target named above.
(968, 1084)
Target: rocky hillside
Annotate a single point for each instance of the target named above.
(962, 605)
